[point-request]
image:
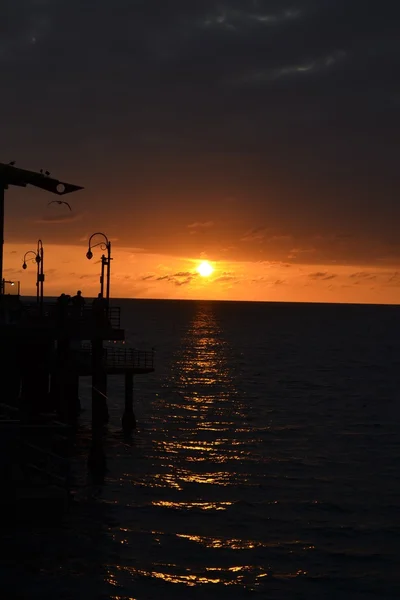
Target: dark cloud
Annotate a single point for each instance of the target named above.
(201, 225)
(330, 277)
(322, 276)
(225, 278)
(163, 278)
(280, 239)
(295, 252)
(394, 280)
(256, 234)
(57, 219)
(178, 279)
(362, 275)
(183, 281)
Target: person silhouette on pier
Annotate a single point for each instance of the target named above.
(100, 309)
(62, 308)
(78, 304)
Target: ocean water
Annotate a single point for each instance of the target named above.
(266, 463)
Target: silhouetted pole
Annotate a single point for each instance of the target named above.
(61, 376)
(37, 279)
(103, 263)
(2, 192)
(96, 458)
(40, 274)
(97, 462)
(108, 272)
(34, 356)
(39, 258)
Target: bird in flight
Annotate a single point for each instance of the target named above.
(60, 202)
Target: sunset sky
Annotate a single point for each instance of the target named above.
(261, 136)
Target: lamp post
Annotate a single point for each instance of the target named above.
(11, 284)
(38, 259)
(105, 261)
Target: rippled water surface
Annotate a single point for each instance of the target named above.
(266, 462)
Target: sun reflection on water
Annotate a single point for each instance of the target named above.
(202, 446)
(233, 544)
(249, 576)
(236, 575)
(192, 505)
(201, 371)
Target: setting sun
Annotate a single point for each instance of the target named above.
(205, 269)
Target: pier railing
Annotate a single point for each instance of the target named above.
(123, 358)
(51, 312)
(129, 357)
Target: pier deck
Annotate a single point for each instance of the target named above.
(50, 314)
(48, 323)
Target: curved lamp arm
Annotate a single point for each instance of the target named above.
(103, 245)
(36, 255)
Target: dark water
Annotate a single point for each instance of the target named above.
(266, 462)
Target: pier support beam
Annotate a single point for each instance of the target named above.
(97, 462)
(128, 418)
(72, 392)
(100, 414)
(34, 361)
(10, 374)
(63, 382)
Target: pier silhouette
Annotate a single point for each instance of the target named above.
(47, 347)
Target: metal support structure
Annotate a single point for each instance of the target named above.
(40, 274)
(108, 271)
(39, 260)
(103, 264)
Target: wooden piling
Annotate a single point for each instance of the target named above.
(34, 378)
(59, 380)
(128, 418)
(97, 462)
(100, 414)
(97, 458)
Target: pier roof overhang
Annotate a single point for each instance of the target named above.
(10, 175)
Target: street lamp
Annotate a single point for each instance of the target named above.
(105, 261)
(38, 257)
(11, 284)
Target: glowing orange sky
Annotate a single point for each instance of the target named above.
(247, 134)
(145, 275)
